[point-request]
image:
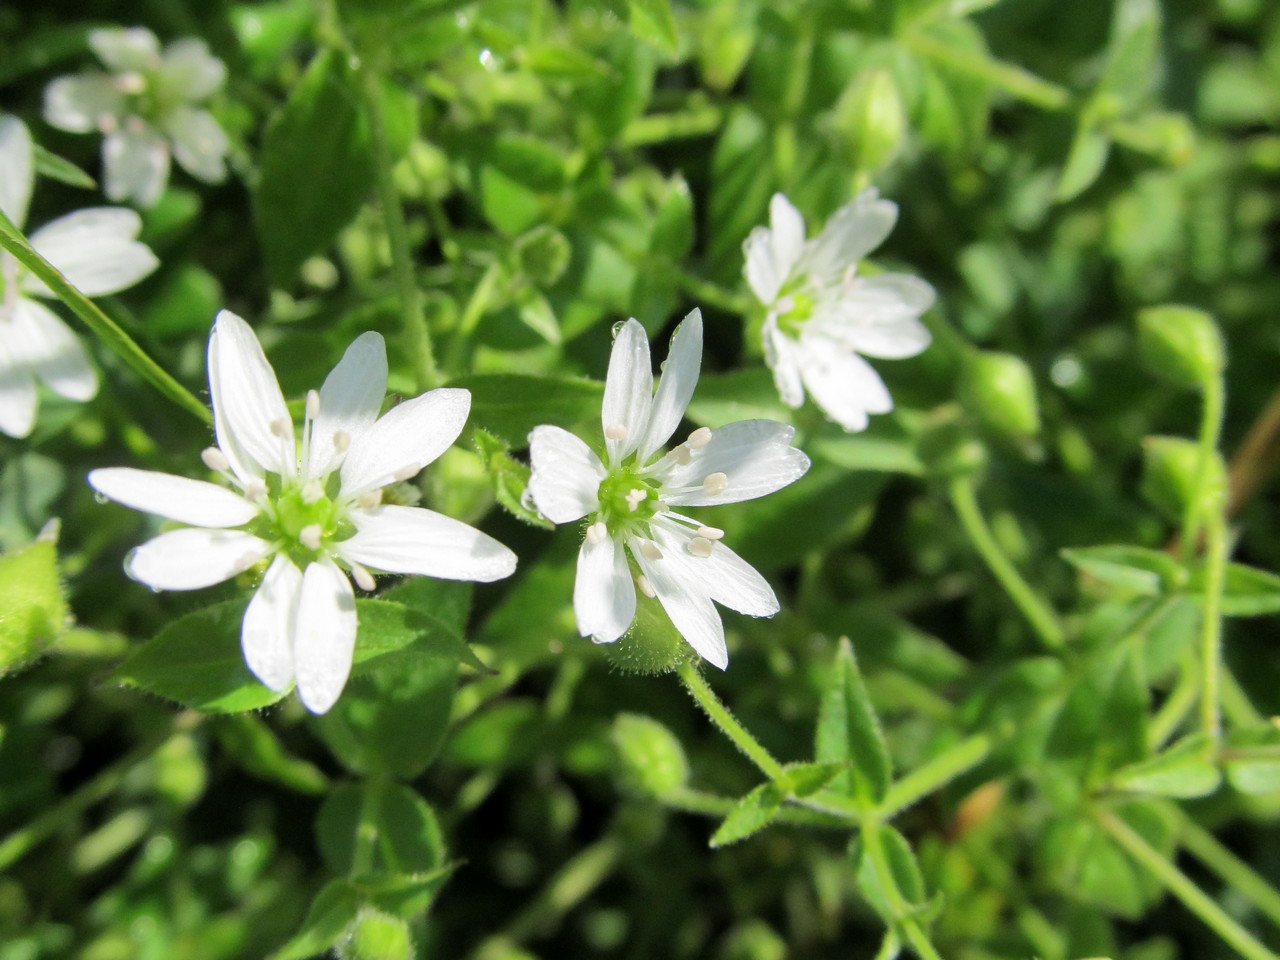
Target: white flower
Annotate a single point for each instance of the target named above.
(310, 505)
(147, 104)
(822, 316)
(96, 251)
(629, 497)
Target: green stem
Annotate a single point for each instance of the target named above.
(1203, 501)
(704, 291)
(931, 776)
(1177, 883)
(102, 326)
(18, 843)
(899, 907)
(1042, 619)
(1211, 625)
(712, 805)
(1013, 80)
(1176, 706)
(366, 840)
(1206, 848)
(705, 697)
(696, 120)
(424, 359)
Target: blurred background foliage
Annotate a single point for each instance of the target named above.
(551, 168)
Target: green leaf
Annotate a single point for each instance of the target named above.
(448, 601)
(900, 864)
(49, 164)
(805, 779)
(1085, 161)
(651, 760)
(1139, 569)
(849, 732)
(1102, 723)
(1186, 769)
(1247, 591)
(672, 237)
(509, 405)
(332, 912)
(652, 22)
(388, 627)
(32, 608)
(1133, 52)
(258, 751)
(323, 131)
(510, 479)
(1251, 759)
(753, 813)
(407, 894)
(398, 826)
(741, 184)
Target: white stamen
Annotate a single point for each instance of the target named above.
(363, 578)
(699, 438)
(245, 562)
(215, 459)
(406, 473)
(107, 123)
(661, 507)
(636, 497)
(645, 586)
(256, 491)
(681, 455)
(281, 427)
(131, 83)
(370, 498)
(715, 484)
(313, 404)
(700, 547)
(309, 536)
(312, 491)
(650, 550)
(711, 533)
(597, 532)
(616, 432)
(341, 441)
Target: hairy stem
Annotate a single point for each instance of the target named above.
(705, 697)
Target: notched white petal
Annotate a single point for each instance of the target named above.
(628, 391)
(414, 540)
(744, 460)
(125, 48)
(17, 169)
(199, 144)
(194, 558)
(687, 604)
(604, 596)
(190, 501)
(266, 634)
(566, 474)
(842, 384)
(95, 249)
(405, 439)
(853, 231)
(675, 388)
(324, 635)
(350, 399)
(723, 575)
(83, 104)
(247, 402)
(136, 164)
(17, 398)
(44, 347)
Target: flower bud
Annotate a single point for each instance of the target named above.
(652, 645)
(651, 760)
(544, 255)
(1171, 471)
(1181, 344)
(377, 936)
(31, 602)
(871, 116)
(999, 389)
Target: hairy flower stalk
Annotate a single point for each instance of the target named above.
(96, 250)
(637, 535)
(147, 108)
(312, 504)
(823, 318)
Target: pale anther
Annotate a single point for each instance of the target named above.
(636, 497)
(312, 491)
(645, 586)
(215, 459)
(661, 507)
(650, 550)
(309, 536)
(370, 498)
(341, 440)
(363, 578)
(131, 83)
(681, 455)
(715, 484)
(700, 547)
(107, 123)
(406, 473)
(281, 427)
(313, 404)
(597, 532)
(710, 533)
(616, 432)
(699, 438)
(256, 491)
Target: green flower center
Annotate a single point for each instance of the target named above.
(791, 322)
(626, 499)
(304, 525)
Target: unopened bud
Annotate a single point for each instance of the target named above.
(999, 389)
(377, 936)
(651, 760)
(1171, 476)
(872, 119)
(1181, 344)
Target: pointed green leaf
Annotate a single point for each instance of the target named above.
(398, 824)
(49, 164)
(1142, 570)
(1246, 591)
(1186, 769)
(387, 627)
(652, 21)
(753, 813)
(510, 479)
(899, 868)
(32, 608)
(805, 779)
(849, 733)
(256, 748)
(1251, 758)
(406, 894)
(332, 912)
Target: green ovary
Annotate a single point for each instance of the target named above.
(616, 509)
(294, 514)
(801, 310)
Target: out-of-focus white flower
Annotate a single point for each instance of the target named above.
(634, 537)
(145, 106)
(822, 316)
(96, 250)
(312, 505)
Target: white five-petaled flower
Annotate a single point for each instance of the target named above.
(310, 504)
(635, 537)
(96, 251)
(147, 104)
(822, 315)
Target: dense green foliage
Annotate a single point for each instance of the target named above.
(1020, 697)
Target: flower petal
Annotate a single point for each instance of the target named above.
(124, 49)
(199, 144)
(270, 622)
(628, 391)
(566, 476)
(82, 104)
(18, 168)
(17, 396)
(415, 540)
(194, 557)
(324, 635)
(780, 352)
(136, 163)
(604, 596)
(687, 604)
(95, 249)
(771, 253)
(853, 231)
(250, 418)
(755, 456)
(190, 501)
(675, 388)
(349, 400)
(724, 576)
(190, 70)
(46, 348)
(405, 439)
(844, 385)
